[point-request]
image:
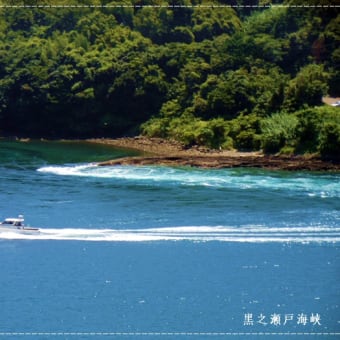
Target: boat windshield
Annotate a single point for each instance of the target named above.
(15, 222)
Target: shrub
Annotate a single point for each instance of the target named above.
(329, 141)
(244, 131)
(155, 127)
(277, 131)
(318, 130)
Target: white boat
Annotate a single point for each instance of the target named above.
(16, 224)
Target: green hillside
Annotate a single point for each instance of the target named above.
(197, 71)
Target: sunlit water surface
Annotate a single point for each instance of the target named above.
(165, 250)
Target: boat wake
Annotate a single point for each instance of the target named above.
(247, 234)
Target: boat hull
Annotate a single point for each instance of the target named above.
(19, 230)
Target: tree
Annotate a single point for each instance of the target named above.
(307, 88)
(210, 22)
(330, 140)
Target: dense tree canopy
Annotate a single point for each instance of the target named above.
(197, 71)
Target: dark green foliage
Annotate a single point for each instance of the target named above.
(223, 77)
(313, 130)
(245, 132)
(330, 141)
(307, 88)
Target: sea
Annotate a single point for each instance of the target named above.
(143, 252)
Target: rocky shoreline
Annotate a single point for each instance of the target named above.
(157, 151)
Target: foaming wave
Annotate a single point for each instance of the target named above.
(322, 186)
(251, 234)
(68, 170)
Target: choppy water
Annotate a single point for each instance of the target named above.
(160, 249)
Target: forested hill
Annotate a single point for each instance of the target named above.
(222, 76)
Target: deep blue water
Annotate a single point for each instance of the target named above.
(164, 250)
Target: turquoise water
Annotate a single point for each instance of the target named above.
(155, 251)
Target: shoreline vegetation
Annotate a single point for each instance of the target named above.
(245, 78)
(165, 152)
(259, 79)
(158, 151)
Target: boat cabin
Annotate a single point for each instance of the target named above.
(16, 222)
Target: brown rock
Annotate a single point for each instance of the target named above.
(163, 152)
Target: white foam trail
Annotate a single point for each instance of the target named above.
(252, 234)
(323, 187)
(71, 170)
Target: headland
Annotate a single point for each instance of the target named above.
(158, 151)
